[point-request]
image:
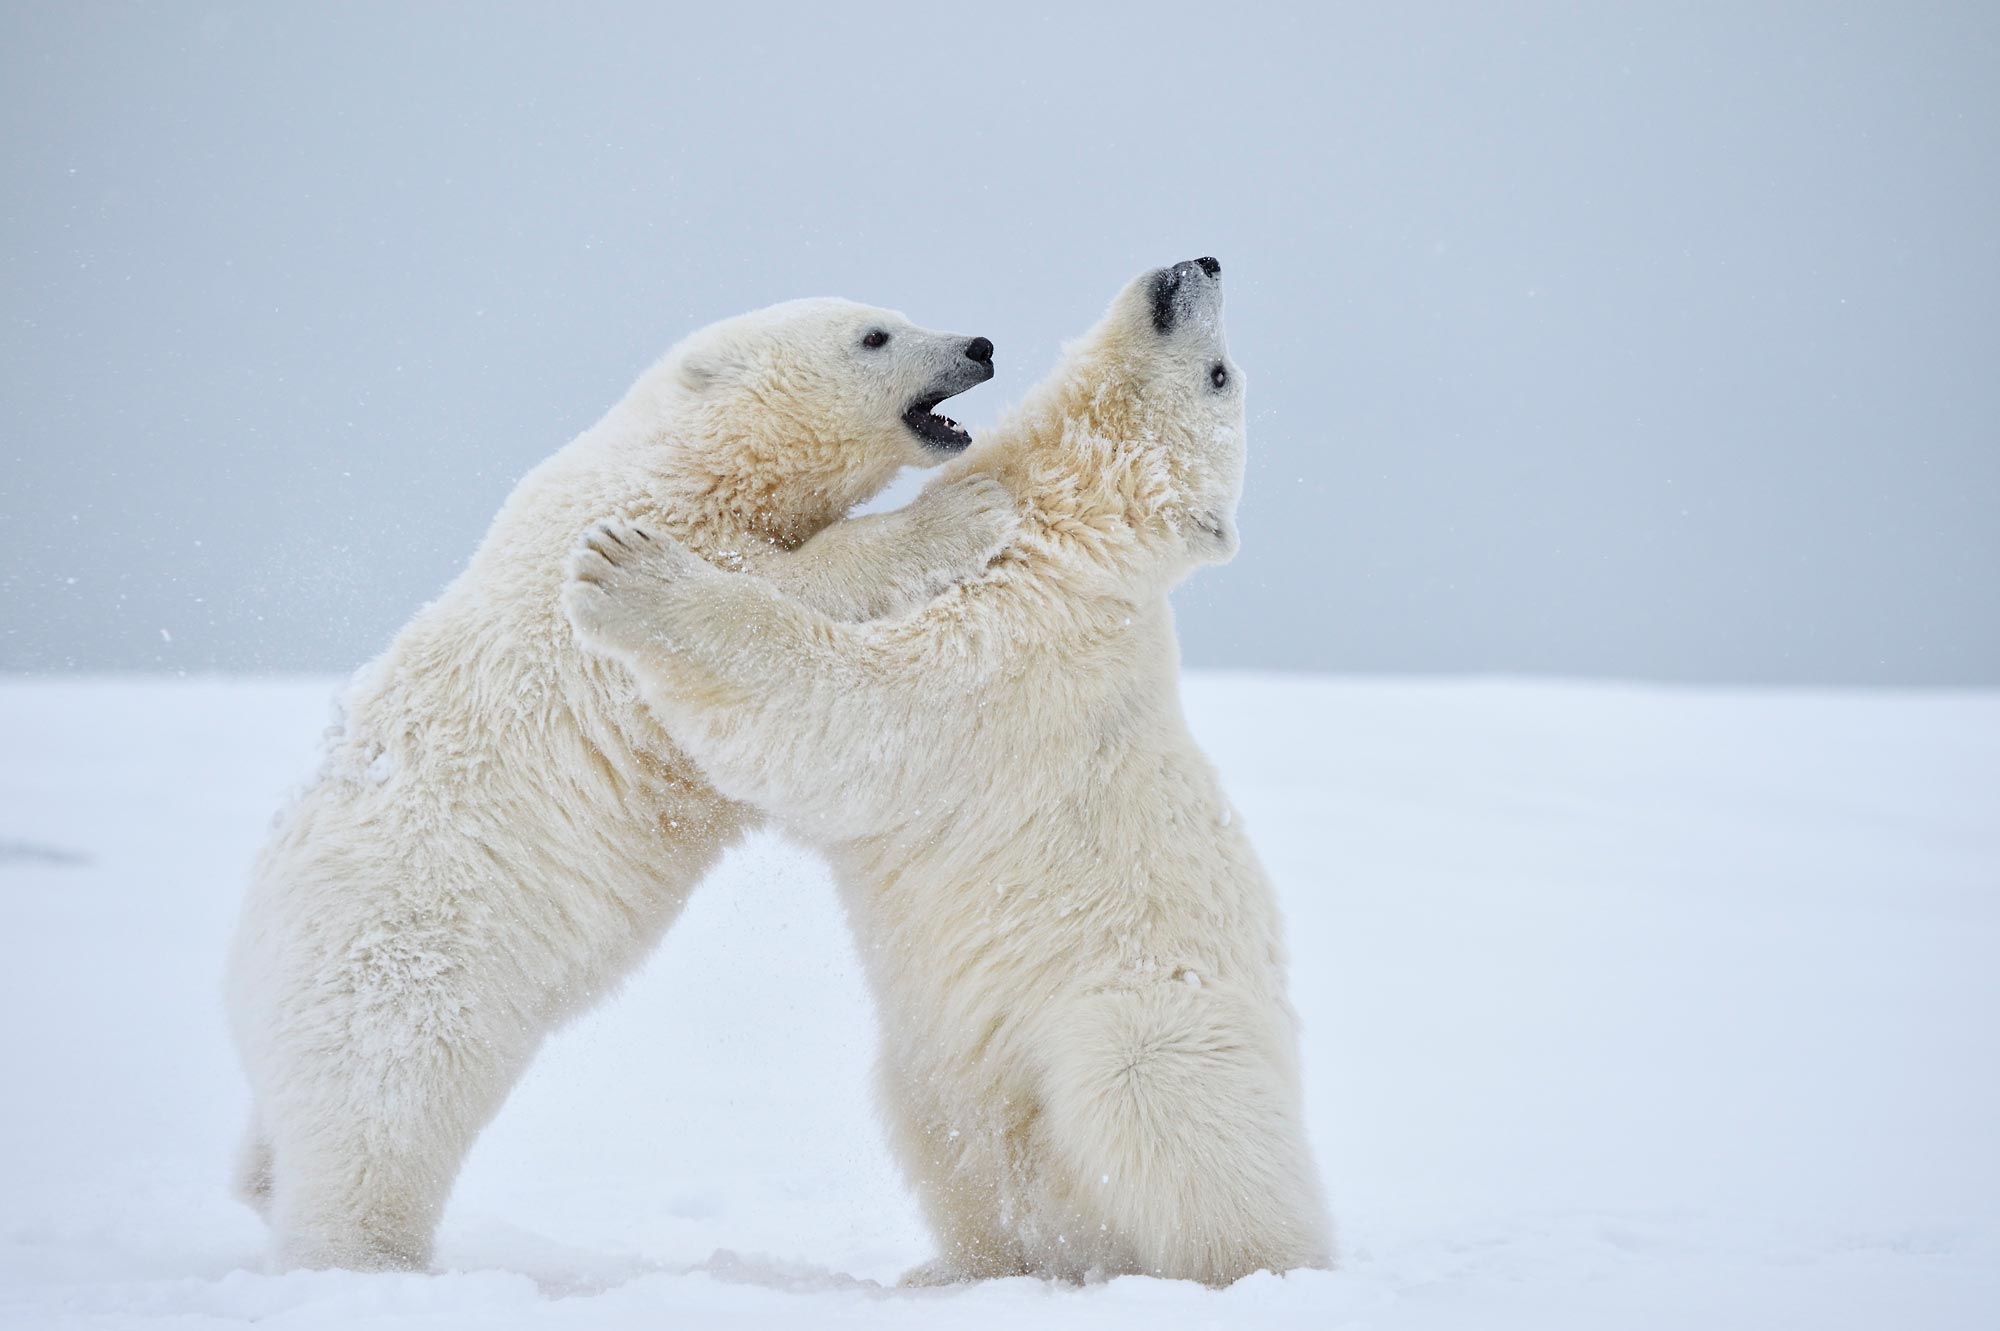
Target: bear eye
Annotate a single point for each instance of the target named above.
(876, 338)
(1218, 374)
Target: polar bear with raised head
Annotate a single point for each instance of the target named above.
(1089, 1063)
(500, 830)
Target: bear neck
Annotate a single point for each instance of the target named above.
(778, 487)
(1083, 463)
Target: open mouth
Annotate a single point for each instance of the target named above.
(937, 431)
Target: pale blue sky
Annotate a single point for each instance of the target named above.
(1590, 340)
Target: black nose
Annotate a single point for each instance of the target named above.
(1210, 265)
(979, 349)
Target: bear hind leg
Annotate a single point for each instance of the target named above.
(1171, 1121)
(366, 1149)
(954, 1179)
(252, 1179)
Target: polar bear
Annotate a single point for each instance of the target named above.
(1089, 1063)
(500, 831)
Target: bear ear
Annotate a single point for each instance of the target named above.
(698, 372)
(713, 361)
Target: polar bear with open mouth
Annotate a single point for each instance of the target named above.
(501, 830)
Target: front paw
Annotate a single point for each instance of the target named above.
(616, 583)
(961, 525)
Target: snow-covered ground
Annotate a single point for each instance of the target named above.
(1623, 1008)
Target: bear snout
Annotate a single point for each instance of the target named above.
(1172, 286)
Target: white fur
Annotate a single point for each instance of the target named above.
(1089, 1064)
(500, 831)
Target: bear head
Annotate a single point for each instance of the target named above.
(814, 404)
(1140, 430)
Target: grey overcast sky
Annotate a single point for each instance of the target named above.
(1640, 341)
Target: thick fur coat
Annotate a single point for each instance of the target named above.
(500, 831)
(1089, 1063)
